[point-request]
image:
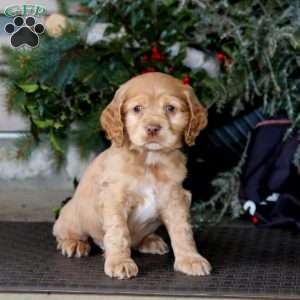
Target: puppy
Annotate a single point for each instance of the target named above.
(133, 187)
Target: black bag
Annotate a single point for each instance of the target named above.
(270, 181)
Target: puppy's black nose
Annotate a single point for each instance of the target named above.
(153, 130)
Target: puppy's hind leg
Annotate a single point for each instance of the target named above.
(73, 247)
(153, 244)
(70, 240)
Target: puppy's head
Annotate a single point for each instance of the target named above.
(154, 111)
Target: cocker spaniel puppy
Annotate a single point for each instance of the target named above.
(133, 187)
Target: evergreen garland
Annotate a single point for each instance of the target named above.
(63, 85)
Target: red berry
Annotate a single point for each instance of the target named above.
(154, 50)
(156, 56)
(220, 56)
(254, 219)
(186, 79)
(145, 57)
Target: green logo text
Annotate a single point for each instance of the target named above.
(25, 10)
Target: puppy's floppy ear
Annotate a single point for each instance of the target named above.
(198, 117)
(111, 118)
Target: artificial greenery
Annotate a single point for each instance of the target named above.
(63, 85)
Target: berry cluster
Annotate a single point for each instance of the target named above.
(157, 56)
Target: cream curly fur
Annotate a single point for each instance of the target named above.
(133, 187)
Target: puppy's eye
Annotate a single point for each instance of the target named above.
(138, 108)
(170, 108)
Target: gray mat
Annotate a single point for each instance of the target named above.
(248, 262)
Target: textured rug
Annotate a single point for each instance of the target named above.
(247, 262)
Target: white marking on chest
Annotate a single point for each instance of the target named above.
(147, 189)
(153, 158)
(148, 210)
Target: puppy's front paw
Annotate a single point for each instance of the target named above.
(121, 268)
(71, 248)
(194, 265)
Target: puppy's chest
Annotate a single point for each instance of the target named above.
(147, 209)
(155, 179)
(144, 217)
(149, 189)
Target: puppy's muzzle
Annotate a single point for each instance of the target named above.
(153, 130)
